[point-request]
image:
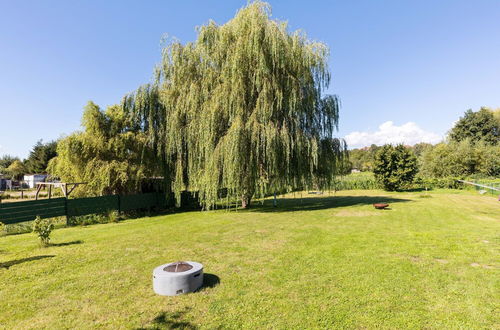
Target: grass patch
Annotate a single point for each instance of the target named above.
(312, 262)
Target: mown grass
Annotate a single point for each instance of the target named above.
(313, 262)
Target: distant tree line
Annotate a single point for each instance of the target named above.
(472, 148)
(14, 168)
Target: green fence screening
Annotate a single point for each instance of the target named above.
(90, 205)
(48, 208)
(27, 211)
(134, 202)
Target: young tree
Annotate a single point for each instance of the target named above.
(5, 162)
(241, 108)
(16, 170)
(395, 166)
(42, 228)
(477, 126)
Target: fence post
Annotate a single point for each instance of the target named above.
(66, 211)
(119, 204)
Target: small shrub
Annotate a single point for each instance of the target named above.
(2, 227)
(85, 220)
(43, 228)
(113, 216)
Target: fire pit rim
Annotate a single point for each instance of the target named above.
(380, 206)
(159, 271)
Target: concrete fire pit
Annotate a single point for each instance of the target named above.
(177, 278)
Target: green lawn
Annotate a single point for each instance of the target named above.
(320, 262)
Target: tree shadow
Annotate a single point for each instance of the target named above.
(11, 263)
(166, 320)
(210, 281)
(322, 203)
(66, 243)
(418, 189)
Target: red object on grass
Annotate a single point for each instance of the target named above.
(380, 206)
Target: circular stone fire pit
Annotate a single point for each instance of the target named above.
(177, 278)
(380, 206)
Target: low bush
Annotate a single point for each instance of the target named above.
(113, 216)
(438, 183)
(91, 219)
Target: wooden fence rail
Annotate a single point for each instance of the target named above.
(49, 208)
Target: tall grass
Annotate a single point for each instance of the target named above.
(353, 181)
(366, 180)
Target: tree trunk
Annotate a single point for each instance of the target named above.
(245, 201)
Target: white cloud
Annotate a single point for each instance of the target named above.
(408, 133)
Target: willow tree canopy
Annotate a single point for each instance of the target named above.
(241, 109)
(109, 154)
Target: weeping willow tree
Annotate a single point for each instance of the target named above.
(241, 109)
(110, 154)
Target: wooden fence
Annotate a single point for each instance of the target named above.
(49, 208)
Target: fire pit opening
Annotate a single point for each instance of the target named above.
(177, 267)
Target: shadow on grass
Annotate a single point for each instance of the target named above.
(322, 203)
(66, 243)
(166, 320)
(11, 263)
(414, 190)
(210, 281)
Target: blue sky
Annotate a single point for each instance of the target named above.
(404, 70)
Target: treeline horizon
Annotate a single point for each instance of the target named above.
(479, 148)
(471, 148)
